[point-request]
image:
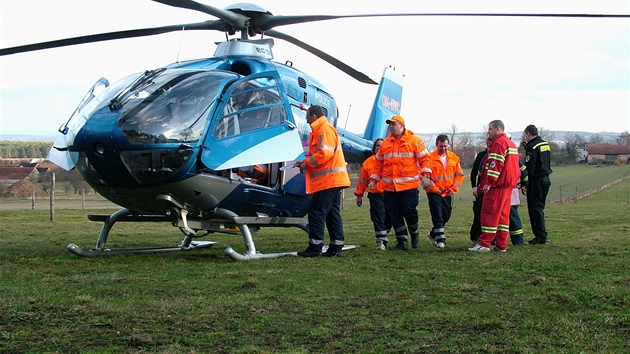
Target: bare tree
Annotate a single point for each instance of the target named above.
(574, 143)
(45, 180)
(596, 139)
(74, 180)
(624, 138)
(546, 135)
(484, 129)
(464, 141)
(451, 133)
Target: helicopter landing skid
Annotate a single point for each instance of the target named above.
(224, 221)
(111, 252)
(244, 257)
(244, 222)
(126, 215)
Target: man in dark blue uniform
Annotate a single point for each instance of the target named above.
(538, 164)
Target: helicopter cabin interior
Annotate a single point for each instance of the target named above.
(252, 106)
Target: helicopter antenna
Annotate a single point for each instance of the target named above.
(181, 39)
(347, 117)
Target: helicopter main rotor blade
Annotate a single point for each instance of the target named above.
(208, 25)
(267, 22)
(324, 56)
(233, 19)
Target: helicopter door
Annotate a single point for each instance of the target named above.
(251, 126)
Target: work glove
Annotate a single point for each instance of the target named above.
(371, 185)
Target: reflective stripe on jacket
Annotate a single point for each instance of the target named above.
(367, 168)
(443, 180)
(502, 166)
(325, 165)
(401, 163)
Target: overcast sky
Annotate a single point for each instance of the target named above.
(557, 73)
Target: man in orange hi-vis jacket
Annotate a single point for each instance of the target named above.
(499, 176)
(381, 220)
(326, 175)
(446, 179)
(402, 163)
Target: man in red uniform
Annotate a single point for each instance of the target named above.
(446, 179)
(326, 175)
(401, 163)
(498, 177)
(381, 219)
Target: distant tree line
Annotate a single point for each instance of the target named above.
(24, 149)
(566, 155)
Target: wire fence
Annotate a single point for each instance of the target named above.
(558, 194)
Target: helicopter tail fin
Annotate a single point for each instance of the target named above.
(386, 104)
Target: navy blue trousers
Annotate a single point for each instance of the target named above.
(537, 190)
(381, 219)
(403, 207)
(440, 208)
(325, 211)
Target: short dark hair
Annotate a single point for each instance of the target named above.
(497, 123)
(531, 130)
(316, 110)
(442, 138)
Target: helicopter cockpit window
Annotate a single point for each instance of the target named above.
(252, 105)
(173, 108)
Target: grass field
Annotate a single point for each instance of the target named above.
(570, 296)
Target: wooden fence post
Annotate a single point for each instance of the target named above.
(52, 198)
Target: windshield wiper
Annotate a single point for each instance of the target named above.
(139, 84)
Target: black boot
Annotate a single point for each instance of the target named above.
(401, 245)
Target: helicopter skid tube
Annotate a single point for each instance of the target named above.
(112, 252)
(248, 256)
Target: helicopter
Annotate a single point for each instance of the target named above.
(175, 144)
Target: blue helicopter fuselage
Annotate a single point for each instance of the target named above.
(186, 130)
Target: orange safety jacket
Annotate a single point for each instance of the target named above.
(367, 168)
(401, 163)
(445, 180)
(325, 165)
(258, 173)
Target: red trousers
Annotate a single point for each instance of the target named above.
(495, 217)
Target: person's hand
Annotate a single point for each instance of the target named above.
(524, 190)
(359, 200)
(303, 167)
(486, 188)
(371, 185)
(298, 164)
(474, 192)
(426, 182)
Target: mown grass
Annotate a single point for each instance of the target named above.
(570, 296)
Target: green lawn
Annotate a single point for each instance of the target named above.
(571, 296)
